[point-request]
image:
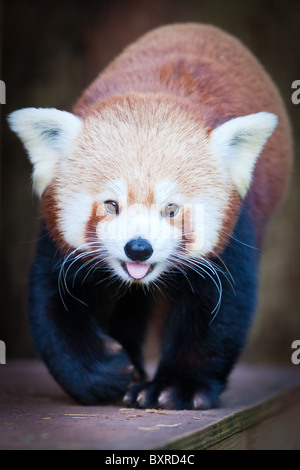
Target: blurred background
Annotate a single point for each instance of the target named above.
(50, 51)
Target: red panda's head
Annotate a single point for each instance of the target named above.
(140, 184)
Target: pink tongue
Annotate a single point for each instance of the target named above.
(137, 270)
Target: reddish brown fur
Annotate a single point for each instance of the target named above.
(96, 216)
(228, 224)
(50, 212)
(188, 235)
(147, 197)
(215, 76)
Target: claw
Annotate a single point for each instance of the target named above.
(165, 399)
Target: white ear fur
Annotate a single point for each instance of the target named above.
(239, 142)
(47, 135)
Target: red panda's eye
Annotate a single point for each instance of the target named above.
(170, 210)
(111, 207)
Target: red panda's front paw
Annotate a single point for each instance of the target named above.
(154, 394)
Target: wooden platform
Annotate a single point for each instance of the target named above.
(260, 410)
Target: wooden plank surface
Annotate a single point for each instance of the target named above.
(259, 410)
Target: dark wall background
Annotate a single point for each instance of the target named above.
(50, 53)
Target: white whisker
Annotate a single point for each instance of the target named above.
(90, 250)
(203, 268)
(239, 241)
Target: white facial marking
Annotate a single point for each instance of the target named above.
(207, 222)
(133, 222)
(115, 190)
(138, 220)
(74, 216)
(118, 187)
(164, 190)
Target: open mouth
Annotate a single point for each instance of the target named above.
(137, 270)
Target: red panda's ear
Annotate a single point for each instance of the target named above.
(239, 141)
(47, 135)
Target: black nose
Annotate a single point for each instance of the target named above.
(138, 249)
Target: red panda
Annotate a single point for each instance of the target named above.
(161, 180)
